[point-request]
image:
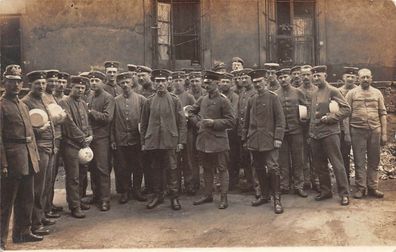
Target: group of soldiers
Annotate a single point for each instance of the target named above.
(157, 128)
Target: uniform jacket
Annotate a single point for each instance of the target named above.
(320, 107)
(17, 143)
(218, 108)
(265, 121)
(244, 97)
(49, 98)
(113, 89)
(101, 111)
(76, 125)
(367, 107)
(163, 124)
(290, 97)
(128, 110)
(45, 139)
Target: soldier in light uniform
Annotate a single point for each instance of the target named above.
(349, 77)
(45, 139)
(324, 133)
(311, 180)
(291, 153)
(125, 139)
(264, 129)
(368, 131)
(19, 162)
(100, 113)
(111, 71)
(213, 115)
(163, 132)
(237, 64)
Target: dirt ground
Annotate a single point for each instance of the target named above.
(367, 222)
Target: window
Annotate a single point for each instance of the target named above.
(291, 31)
(178, 31)
(10, 41)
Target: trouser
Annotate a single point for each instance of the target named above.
(184, 162)
(146, 166)
(74, 175)
(42, 186)
(17, 193)
(366, 141)
(100, 170)
(164, 161)
(55, 169)
(212, 162)
(245, 161)
(129, 164)
(266, 163)
(195, 162)
(310, 176)
(292, 150)
(233, 168)
(328, 148)
(346, 151)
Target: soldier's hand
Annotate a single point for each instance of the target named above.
(89, 139)
(45, 126)
(4, 172)
(207, 122)
(113, 146)
(179, 147)
(277, 144)
(143, 147)
(244, 146)
(384, 139)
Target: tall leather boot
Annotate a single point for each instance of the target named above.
(275, 182)
(223, 201)
(264, 185)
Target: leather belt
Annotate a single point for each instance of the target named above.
(18, 140)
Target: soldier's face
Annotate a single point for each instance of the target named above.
(51, 84)
(245, 80)
(296, 78)
(195, 83)
(271, 75)
(349, 79)
(284, 80)
(178, 84)
(39, 86)
(161, 84)
(260, 84)
(306, 77)
(111, 73)
(295, 74)
(13, 87)
(143, 78)
(211, 85)
(236, 66)
(78, 90)
(319, 79)
(96, 84)
(61, 85)
(225, 85)
(365, 79)
(126, 85)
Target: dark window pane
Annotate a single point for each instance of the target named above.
(10, 47)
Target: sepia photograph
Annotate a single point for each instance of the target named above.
(193, 125)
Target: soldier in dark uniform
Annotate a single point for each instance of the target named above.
(146, 89)
(213, 115)
(19, 162)
(264, 129)
(135, 80)
(368, 132)
(185, 156)
(233, 168)
(100, 113)
(45, 139)
(125, 139)
(219, 67)
(291, 153)
(324, 133)
(196, 89)
(246, 91)
(295, 73)
(163, 132)
(111, 71)
(76, 134)
(270, 76)
(349, 77)
(311, 180)
(63, 80)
